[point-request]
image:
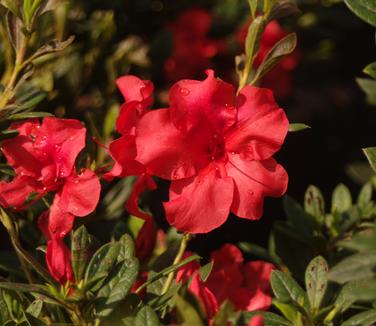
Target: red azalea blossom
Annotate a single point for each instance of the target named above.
(279, 79)
(217, 149)
(245, 285)
(43, 157)
(192, 49)
(146, 239)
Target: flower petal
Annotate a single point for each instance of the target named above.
(210, 102)
(262, 126)
(199, 204)
(142, 183)
(146, 238)
(15, 193)
(60, 222)
(129, 115)
(123, 151)
(58, 258)
(80, 193)
(63, 140)
(135, 89)
(166, 151)
(253, 181)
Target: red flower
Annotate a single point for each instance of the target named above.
(192, 49)
(146, 239)
(245, 285)
(217, 149)
(43, 157)
(138, 96)
(279, 79)
(58, 256)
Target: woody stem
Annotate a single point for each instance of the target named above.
(178, 257)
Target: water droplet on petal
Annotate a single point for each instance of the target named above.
(233, 153)
(251, 192)
(175, 176)
(44, 189)
(184, 91)
(62, 234)
(61, 174)
(229, 107)
(71, 138)
(38, 127)
(76, 181)
(44, 137)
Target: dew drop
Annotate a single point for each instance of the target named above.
(229, 107)
(38, 127)
(44, 137)
(184, 91)
(62, 174)
(62, 234)
(233, 153)
(251, 192)
(44, 189)
(76, 181)
(71, 138)
(175, 176)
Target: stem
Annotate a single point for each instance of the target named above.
(18, 66)
(179, 256)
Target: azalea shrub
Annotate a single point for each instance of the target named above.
(142, 140)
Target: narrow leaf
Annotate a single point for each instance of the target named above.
(80, 252)
(366, 318)
(370, 153)
(294, 127)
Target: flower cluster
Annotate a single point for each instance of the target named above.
(215, 145)
(245, 285)
(43, 156)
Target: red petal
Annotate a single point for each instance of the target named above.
(58, 258)
(204, 294)
(60, 222)
(20, 154)
(15, 192)
(166, 151)
(142, 183)
(256, 321)
(253, 181)
(261, 127)
(199, 204)
(123, 151)
(63, 140)
(43, 221)
(136, 89)
(228, 255)
(129, 115)
(146, 239)
(207, 103)
(80, 193)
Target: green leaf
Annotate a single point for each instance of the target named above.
(314, 203)
(294, 127)
(4, 314)
(252, 40)
(316, 280)
(53, 46)
(355, 267)
(370, 153)
(365, 9)
(29, 115)
(146, 317)
(369, 87)
(282, 9)
(270, 319)
(6, 134)
(224, 314)
(341, 199)
(127, 248)
(188, 315)
(35, 308)
(365, 195)
(287, 290)
(80, 244)
(11, 5)
(370, 70)
(281, 49)
(206, 270)
(253, 6)
(366, 318)
(103, 260)
(346, 296)
(289, 311)
(117, 286)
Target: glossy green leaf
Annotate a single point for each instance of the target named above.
(127, 247)
(314, 203)
(316, 280)
(103, 260)
(366, 318)
(117, 286)
(188, 315)
(146, 317)
(287, 290)
(6, 134)
(29, 115)
(252, 40)
(355, 267)
(370, 153)
(288, 310)
(341, 199)
(35, 308)
(365, 195)
(269, 318)
(369, 87)
(80, 246)
(206, 270)
(365, 9)
(294, 127)
(370, 69)
(282, 48)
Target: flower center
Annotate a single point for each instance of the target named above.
(216, 148)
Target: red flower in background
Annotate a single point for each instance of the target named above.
(279, 79)
(192, 48)
(217, 149)
(43, 157)
(245, 285)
